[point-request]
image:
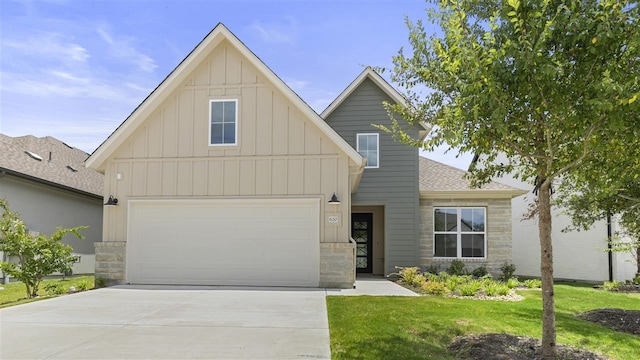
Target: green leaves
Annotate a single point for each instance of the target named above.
(38, 256)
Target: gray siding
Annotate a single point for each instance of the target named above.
(43, 208)
(395, 183)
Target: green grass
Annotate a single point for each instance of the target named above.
(15, 293)
(370, 327)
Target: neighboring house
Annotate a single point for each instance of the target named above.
(45, 181)
(577, 255)
(224, 176)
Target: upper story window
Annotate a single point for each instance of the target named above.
(368, 146)
(223, 122)
(459, 232)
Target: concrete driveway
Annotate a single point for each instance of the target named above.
(170, 323)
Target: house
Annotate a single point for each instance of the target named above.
(578, 255)
(224, 176)
(45, 181)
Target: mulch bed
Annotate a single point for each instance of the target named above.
(510, 347)
(616, 319)
(505, 346)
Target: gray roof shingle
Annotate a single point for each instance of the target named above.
(436, 176)
(57, 166)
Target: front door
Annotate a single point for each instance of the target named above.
(362, 233)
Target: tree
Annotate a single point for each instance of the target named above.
(600, 190)
(540, 82)
(38, 256)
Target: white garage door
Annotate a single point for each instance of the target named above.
(224, 242)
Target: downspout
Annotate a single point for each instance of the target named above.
(5, 277)
(609, 247)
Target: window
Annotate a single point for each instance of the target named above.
(367, 145)
(459, 232)
(223, 122)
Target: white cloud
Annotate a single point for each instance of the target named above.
(122, 48)
(275, 33)
(295, 84)
(50, 46)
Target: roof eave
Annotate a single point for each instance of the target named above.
(49, 183)
(471, 194)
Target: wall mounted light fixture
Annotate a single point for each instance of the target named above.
(112, 201)
(334, 200)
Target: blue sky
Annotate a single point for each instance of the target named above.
(75, 69)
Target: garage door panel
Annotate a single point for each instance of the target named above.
(210, 242)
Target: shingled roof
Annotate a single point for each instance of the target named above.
(49, 160)
(441, 180)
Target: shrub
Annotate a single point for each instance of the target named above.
(470, 288)
(636, 280)
(533, 283)
(418, 280)
(507, 271)
(480, 271)
(83, 285)
(453, 281)
(612, 285)
(38, 255)
(432, 269)
(513, 283)
(100, 282)
(434, 288)
(457, 268)
(491, 288)
(54, 288)
(503, 289)
(407, 274)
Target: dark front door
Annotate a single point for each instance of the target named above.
(362, 233)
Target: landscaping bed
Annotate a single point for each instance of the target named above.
(616, 319)
(510, 347)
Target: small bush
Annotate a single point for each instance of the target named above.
(491, 288)
(454, 281)
(636, 281)
(533, 283)
(507, 271)
(434, 288)
(83, 285)
(480, 271)
(513, 283)
(432, 269)
(470, 288)
(612, 285)
(457, 268)
(418, 280)
(407, 274)
(503, 289)
(100, 282)
(54, 288)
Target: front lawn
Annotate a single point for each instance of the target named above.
(368, 327)
(15, 293)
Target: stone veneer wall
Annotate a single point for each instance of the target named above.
(111, 261)
(498, 234)
(337, 265)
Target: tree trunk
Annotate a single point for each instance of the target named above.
(546, 272)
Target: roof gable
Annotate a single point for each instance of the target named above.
(51, 161)
(220, 33)
(369, 73)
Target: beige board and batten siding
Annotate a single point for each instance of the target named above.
(280, 152)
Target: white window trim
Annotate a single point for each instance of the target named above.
(459, 233)
(235, 143)
(377, 144)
